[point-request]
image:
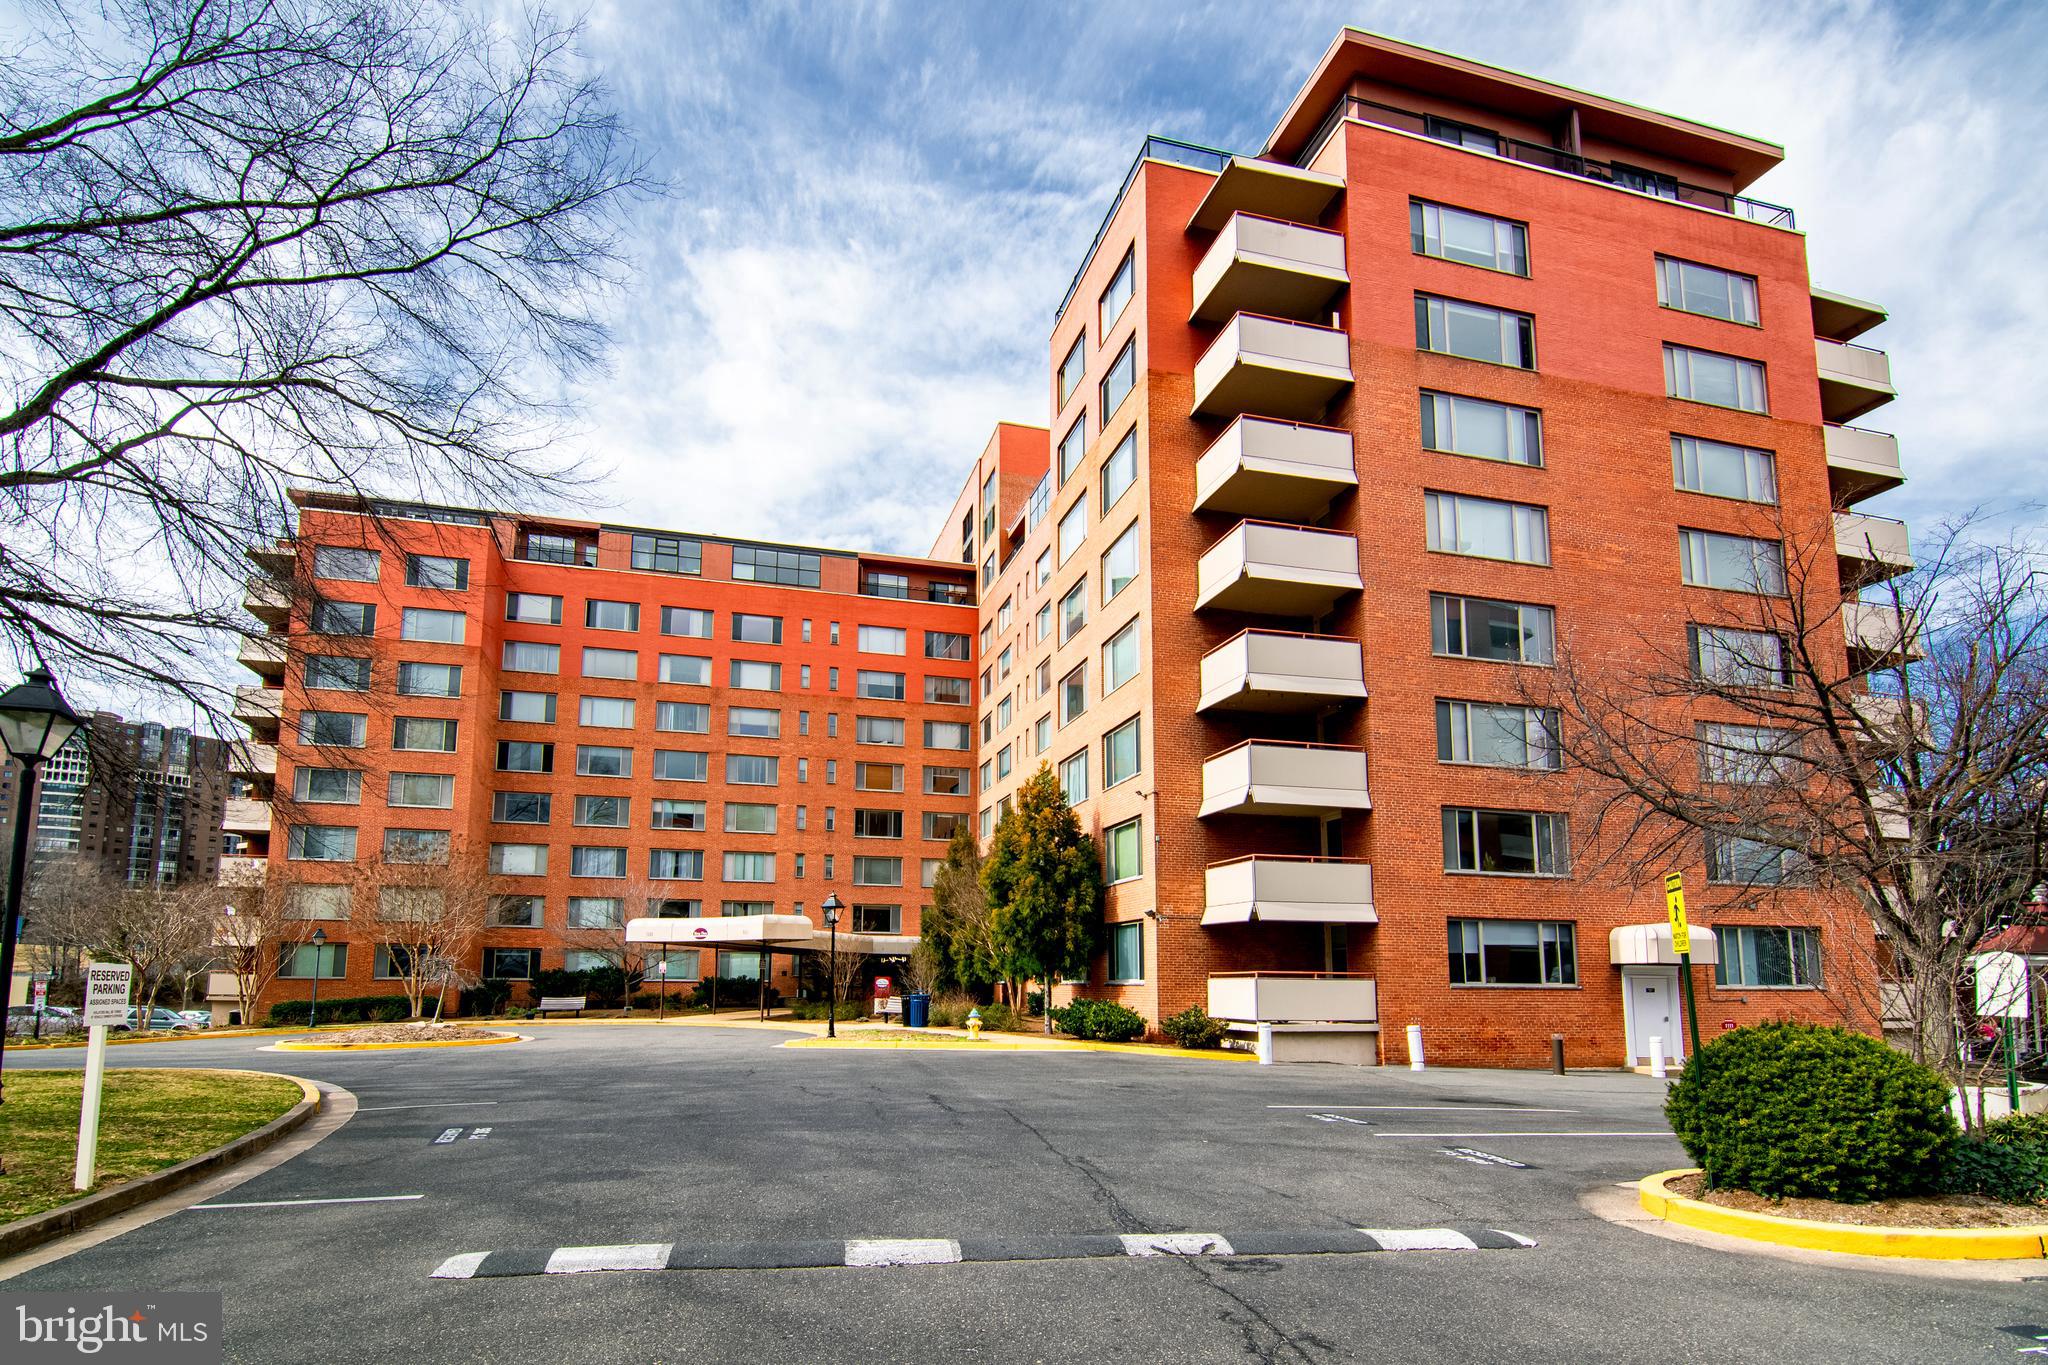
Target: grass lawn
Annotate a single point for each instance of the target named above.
(148, 1120)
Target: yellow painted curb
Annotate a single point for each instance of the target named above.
(394, 1047)
(1927, 1244)
(1014, 1043)
(915, 1044)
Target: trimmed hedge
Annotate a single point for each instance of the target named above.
(2006, 1159)
(349, 1009)
(1104, 1020)
(815, 1009)
(1803, 1110)
(1194, 1027)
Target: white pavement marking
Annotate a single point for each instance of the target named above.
(1523, 1135)
(632, 1256)
(437, 1104)
(1175, 1244)
(1432, 1108)
(459, 1267)
(294, 1203)
(1421, 1239)
(1479, 1158)
(1517, 1237)
(902, 1251)
(1338, 1118)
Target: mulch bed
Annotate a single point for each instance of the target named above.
(1910, 1211)
(399, 1033)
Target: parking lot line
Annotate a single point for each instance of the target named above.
(1462, 1134)
(293, 1203)
(1432, 1108)
(437, 1104)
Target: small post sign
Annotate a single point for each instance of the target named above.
(1681, 943)
(2004, 992)
(106, 1005)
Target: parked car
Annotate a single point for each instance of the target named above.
(159, 1018)
(198, 1018)
(56, 1021)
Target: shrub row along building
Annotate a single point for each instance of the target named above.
(1347, 437)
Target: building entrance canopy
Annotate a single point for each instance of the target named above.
(1649, 945)
(772, 933)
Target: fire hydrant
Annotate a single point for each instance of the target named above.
(974, 1024)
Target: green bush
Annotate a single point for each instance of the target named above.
(950, 1010)
(734, 992)
(1105, 1020)
(1193, 1028)
(1002, 1017)
(1801, 1110)
(348, 1009)
(2005, 1159)
(815, 1009)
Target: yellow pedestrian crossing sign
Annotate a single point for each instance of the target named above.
(1674, 906)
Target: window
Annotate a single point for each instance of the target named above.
(343, 618)
(756, 630)
(435, 627)
(1003, 710)
(335, 561)
(340, 729)
(1003, 761)
(1496, 736)
(878, 919)
(1708, 559)
(511, 964)
(429, 680)
(542, 548)
(686, 621)
(534, 608)
(928, 868)
(1125, 850)
(1120, 753)
(1042, 569)
(748, 818)
(1486, 430)
(1071, 369)
(877, 871)
(1121, 378)
(519, 860)
(667, 554)
(1736, 860)
(420, 733)
(945, 781)
(1041, 733)
(587, 861)
(943, 825)
(883, 640)
(988, 506)
(433, 790)
(876, 583)
(603, 615)
(521, 756)
(878, 824)
(333, 673)
(321, 844)
(1767, 958)
(1117, 296)
(681, 765)
(752, 770)
(1644, 181)
(299, 961)
(1736, 658)
(948, 734)
(1747, 754)
(1513, 952)
(1074, 777)
(1073, 448)
(750, 867)
(1475, 332)
(607, 713)
(945, 644)
(878, 777)
(416, 846)
(988, 570)
(758, 564)
(1724, 471)
(877, 730)
(613, 812)
(515, 912)
(756, 676)
(1043, 627)
(675, 864)
(611, 663)
(436, 571)
(1488, 529)
(1073, 529)
(1120, 658)
(532, 708)
(527, 656)
(1126, 952)
(1073, 694)
(521, 808)
(1725, 381)
(1702, 289)
(1468, 238)
(1461, 134)
(876, 686)
(584, 960)
(328, 786)
(1512, 842)
(599, 760)
(753, 722)
(671, 814)
(1120, 470)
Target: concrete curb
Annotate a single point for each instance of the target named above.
(395, 1047)
(33, 1231)
(1013, 1043)
(1931, 1244)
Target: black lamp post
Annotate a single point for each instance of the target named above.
(34, 724)
(832, 908)
(319, 951)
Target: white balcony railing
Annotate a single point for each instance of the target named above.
(1268, 777)
(1261, 265)
(1876, 632)
(1861, 463)
(1289, 890)
(1277, 570)
(1272, 671)
(1853, 379)
(1283, 471)
(1272, 366)
(1294, 997)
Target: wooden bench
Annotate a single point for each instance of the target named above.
(562, 1004)
(888, 1005)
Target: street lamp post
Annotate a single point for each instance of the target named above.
(34, 724)
(313, 1007)
(832, 908)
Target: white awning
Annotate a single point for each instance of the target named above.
(777, 933)
(1289, 912)
(1649, 945)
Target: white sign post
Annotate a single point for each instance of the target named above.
(2003, 992)
(106, 1004)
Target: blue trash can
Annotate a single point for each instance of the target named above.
(917, 1010)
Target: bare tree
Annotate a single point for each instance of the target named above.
(157, 931)
(349, 245)
(256, 924)
(427, 915)
(66, 899)
(597, 925)
(1897, 783)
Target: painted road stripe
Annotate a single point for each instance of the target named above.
(437, 1104)
(294, 1203)
(1432, 1108)
(1479, 1158)
(1665, 1134)
(912, 1251)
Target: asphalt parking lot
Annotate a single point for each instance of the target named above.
(701, 1151)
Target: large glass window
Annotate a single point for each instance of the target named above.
(675, 864)
(1126, 952)
(883, 640)
(436, 571)
(686, 621)
(682, 717)
(587, 861)
(947, 734)
(1073, 448)
(1767, 958)
(750, 770)
(328, 786)
(336, 561)
(667, 554)
(878, 730)
(1480, 628)
(756, 630)
(611, 663)
(945, 644)
(750, 867)
(321, 844)
(340, 729)
(609, 713)
(432, 790)
(1495, 735)
(1071, 369)
(878, 777)
(299, 961)
(521, 808)
(529, 656)
(1694, 288)
(433, 627)
(692, 670)
(1512, 842)
(603, 760)
(878, 686)
(940, 781)
(1120, 658)
(1474, 331)
(1468, 238)
(516, 912)
(749, 817)
(1120, 563)
(682, 765)
(1747, 754)
(753, 722)
(1118, 295)
(1488, 528)
(423, 733)
(1722, 470)
(602, 615)
(416, 846)
(759, 564)
(1739, 860)
(1073, 528)
(1513, 952)
(1073, 694)
(521, 756)
(1124, 850)
(1725, 381)
(534, 608)
(429, 680)
(329, 617)
(674, 814)
(756, 676)
(1120, 470)
(1120, 379)
(1073, 611)
(1120, 753)
(877, 824)
(612, 812)
(1709, 559)
(1479, 427)
(334, 673)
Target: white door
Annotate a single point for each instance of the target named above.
(1652, 1004)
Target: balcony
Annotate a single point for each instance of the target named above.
(1289, 891)
(1268, 777)
(269, 601)
(1283, 471)
(1276, 570)
(1861, 463)
(1264, 266)
(260, 708)
(1877, 636)
(277, 559)
(1853, 379)
(240, 871)
(1270, 672)
(1889, 806)
(263, 655)
(1870, 549)
(1245, 185)
(1841, 318)
(243, 816)
(223, 986)
(1271, 366)
(1294, 997)
(247, 758)
(1881, 720)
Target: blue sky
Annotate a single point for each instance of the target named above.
(876, 207)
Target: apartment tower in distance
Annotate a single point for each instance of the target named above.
(1346, 438)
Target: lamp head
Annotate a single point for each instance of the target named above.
(35, 722)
